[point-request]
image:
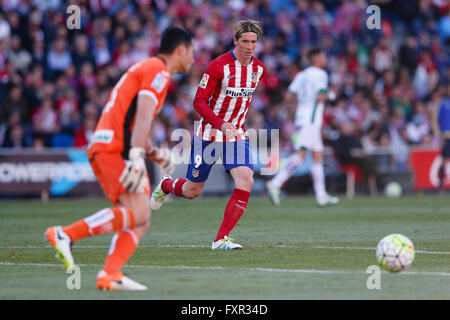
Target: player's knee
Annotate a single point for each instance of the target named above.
(318, 157)
(141, 217)
(249, 182)
(318, 162)
(145, 227)
(245, 181)
(142, 229)
(192, 193)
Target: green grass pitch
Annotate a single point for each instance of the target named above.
(295, 251)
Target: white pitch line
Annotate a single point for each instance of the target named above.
(207, 246)
(367, 248)
(444, 274)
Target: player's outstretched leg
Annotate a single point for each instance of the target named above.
(274, 186)
(159, 196)
(318, 176)
(62, 243)
(328, 201)
(180, 187)
(124, 243)
(273, 193)
(165, 186)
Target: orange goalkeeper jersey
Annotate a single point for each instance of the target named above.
(113, 132)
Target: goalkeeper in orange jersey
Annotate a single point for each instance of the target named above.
(117, 151)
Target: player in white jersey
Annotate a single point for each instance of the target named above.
(309, 88)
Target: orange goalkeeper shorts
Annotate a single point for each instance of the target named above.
(107, 168)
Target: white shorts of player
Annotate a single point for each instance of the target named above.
(310, 137)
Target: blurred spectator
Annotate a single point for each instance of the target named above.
(45, 119)
(408, 53)
(58, 58)
(15, 137)
(13, 134)
(101, 51)
(84, 132)
(140, 50)
(38, 53)
(87, 76)
(416, 129)
(38, 142)
(123, 57)
(19, 57)
(81, 53)
(382, 57)
(349, 150)
(426, 76)
(348, 19)
(15, 102)
(67, 107)
(5, 30)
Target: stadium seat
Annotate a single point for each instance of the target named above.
(62, 140)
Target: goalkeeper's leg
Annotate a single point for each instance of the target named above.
(123, 245)
(132, 212)
(104, 221)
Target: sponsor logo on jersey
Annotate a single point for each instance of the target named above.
(254, 76)
(102, 136)
(159, 82)
(204, 81)
(239, 92)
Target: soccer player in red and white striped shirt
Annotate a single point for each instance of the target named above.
(222, 99)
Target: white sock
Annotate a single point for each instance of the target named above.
(318, 177)
(287, 170)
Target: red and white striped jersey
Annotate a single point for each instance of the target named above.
(226, 88)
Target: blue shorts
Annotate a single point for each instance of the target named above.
(446, 149)
(204, 155)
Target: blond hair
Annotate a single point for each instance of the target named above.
(247, 25)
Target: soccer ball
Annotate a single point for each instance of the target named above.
(393, 190)
(395, 252)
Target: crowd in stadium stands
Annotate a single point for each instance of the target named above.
(387, 82)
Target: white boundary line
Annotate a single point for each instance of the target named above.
(201, 268)
(367, 248)
(207, 246)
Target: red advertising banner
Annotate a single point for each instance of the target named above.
(426, 164)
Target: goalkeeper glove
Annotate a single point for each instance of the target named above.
(133, 176)
(166, 160)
